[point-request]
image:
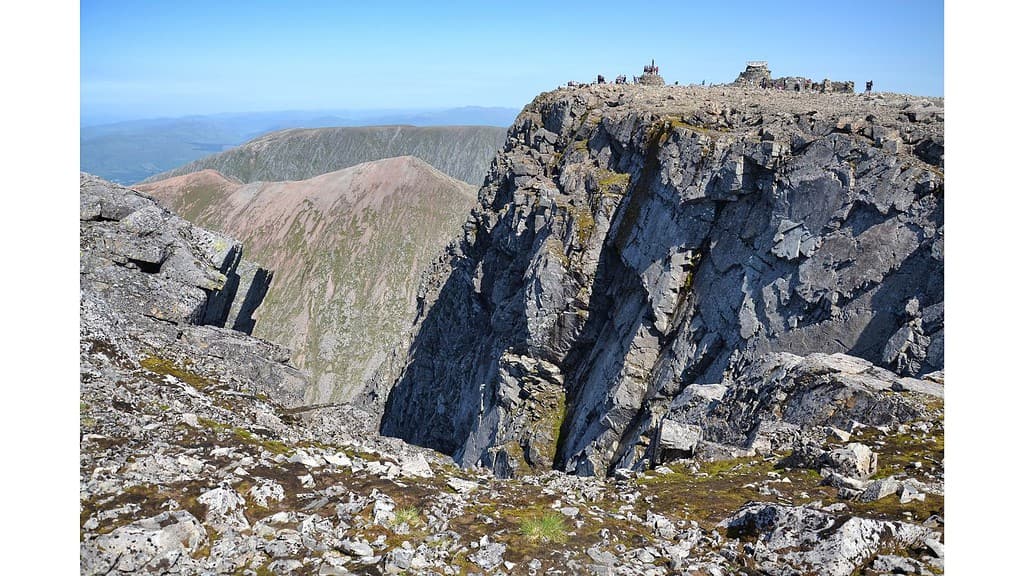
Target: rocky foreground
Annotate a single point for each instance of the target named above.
(198, 457)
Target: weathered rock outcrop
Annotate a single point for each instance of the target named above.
(633, 242)
(159, 291)
(793, 539)
(191, 275)
(347, 249)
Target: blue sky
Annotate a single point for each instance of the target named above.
(146, 59)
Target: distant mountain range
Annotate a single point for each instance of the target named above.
(131, 151)
(347, 250)
(462, 152)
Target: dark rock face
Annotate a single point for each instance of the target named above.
(631, 242)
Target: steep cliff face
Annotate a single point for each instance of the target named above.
(347, 249)
(198, 456)
(631, 242)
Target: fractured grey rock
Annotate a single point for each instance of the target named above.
(169, 538)
(356, 548)
(854, 460)
(185, 269)
(488, 556)
(879, 489)
(812, 541)
(677, 440)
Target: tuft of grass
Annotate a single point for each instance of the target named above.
(583, 223)
(548, 528)
(409, 516)
(678, 122)
(212, 424)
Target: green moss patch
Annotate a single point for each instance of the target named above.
(612, 183)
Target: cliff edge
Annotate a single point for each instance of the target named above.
(633, 242)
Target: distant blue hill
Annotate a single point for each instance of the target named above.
(131, 151)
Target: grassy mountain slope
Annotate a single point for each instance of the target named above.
(347, 249)
(462, 152)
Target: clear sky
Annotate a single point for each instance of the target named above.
(181, 57)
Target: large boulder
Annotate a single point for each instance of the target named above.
(809, 541)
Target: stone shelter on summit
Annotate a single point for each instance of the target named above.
(756, 71)
(757, 75)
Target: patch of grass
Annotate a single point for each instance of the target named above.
(212, 424)
(720, 488)
(273, 446)
(609, 182)
(548, 528)
(677, 122)
(164, 366)
(900, 453)
(151, 500)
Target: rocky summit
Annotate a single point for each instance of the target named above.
(685, 330)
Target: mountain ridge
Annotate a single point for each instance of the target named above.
(463, 152)
(132, 150)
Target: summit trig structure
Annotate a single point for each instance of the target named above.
(650, 76)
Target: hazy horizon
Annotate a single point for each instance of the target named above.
(102, 119)
(152, 60)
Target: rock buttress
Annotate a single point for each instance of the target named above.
(631, 241)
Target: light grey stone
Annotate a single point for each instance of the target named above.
(879, 489)
(854, 460)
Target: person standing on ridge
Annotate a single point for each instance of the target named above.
(868, 86)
